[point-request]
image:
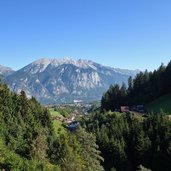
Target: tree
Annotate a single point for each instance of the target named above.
(89, 151)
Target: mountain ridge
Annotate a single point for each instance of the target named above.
(65, 80)
(4, 71)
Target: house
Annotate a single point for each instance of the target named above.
(140, 109)
(133, 108)
(60, 118)
(67, 120)
(73, 126)
(124, 109)
(70, 119)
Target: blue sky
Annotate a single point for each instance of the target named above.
(133, 34)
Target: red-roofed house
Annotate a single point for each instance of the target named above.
(124, 109)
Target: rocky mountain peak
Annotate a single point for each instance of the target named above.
(65, 80)
(4, 71)
(41, 64)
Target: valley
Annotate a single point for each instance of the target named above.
(85, 85)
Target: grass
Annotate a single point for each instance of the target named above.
(163, 103)
(59, 129)
(54, 113)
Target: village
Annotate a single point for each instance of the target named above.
(70, 114)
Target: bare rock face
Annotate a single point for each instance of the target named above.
(65, 80)
(5, 71)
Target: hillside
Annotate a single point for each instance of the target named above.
(127, 141)
(163, 102)
(143, 89)
(31, 140)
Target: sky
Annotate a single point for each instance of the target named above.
(130, 34)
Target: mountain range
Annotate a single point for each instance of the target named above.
(64, 80)
(5, 71)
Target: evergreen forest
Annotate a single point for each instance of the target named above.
(144, 88)
(28, 141)
(130, 141)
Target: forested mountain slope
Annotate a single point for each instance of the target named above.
(143, 89)
(129, 140)
(28, 140)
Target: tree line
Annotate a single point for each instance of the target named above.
(144, 88)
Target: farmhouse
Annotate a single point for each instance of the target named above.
(140, 108)
(73, 125)
(124, 109)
